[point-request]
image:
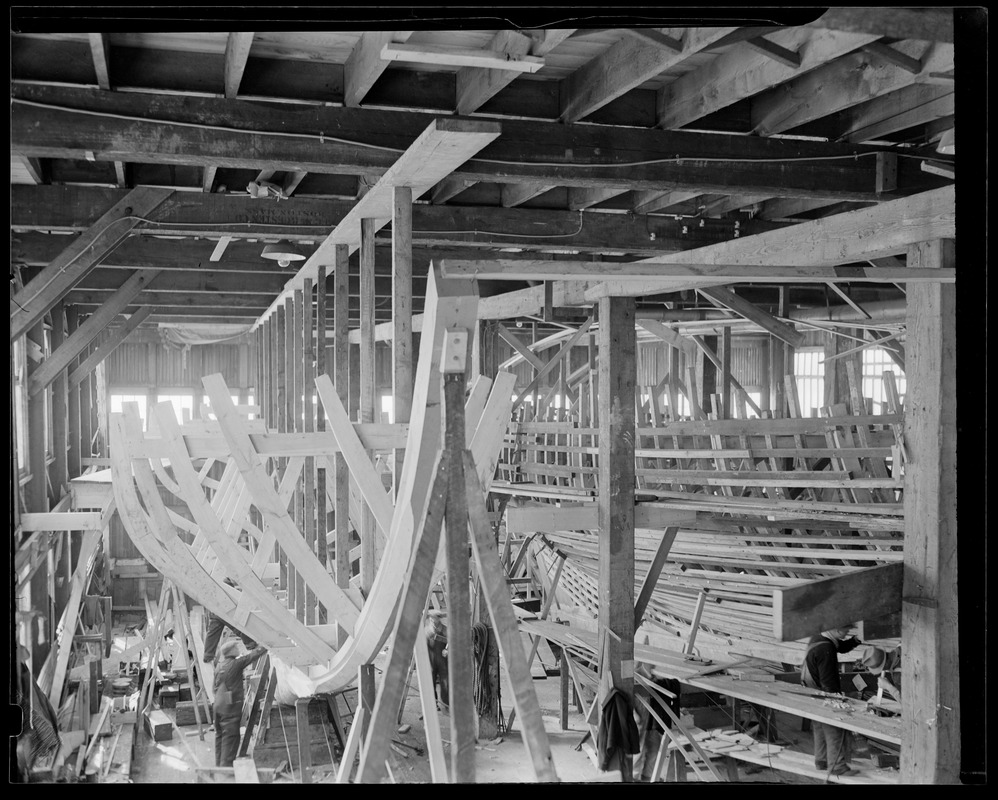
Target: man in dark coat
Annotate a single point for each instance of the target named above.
(216, 625)
(229, 695)
(832, 745)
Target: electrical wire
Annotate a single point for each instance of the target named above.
(322, 139)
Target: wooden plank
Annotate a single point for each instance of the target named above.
(428, 703)
(464, 57)
(79, 257)
(370, 550)
(651, 577)
(930, 24)
(625, 66)
(62, 521)
(439, 150)
(108, 346)
(237, 50)
(931, 753)
(244, 768)
(357, 459)
(88, 331)
(476, 85)
(486, 555)
(770, 49)
(341, 376)
(800, 611)
(309, 489)
(617, 376)
(885, 229)
(100, 50)
(304, 739)
(407, 627)
(402, 364)
(364, 65)
(511, 195)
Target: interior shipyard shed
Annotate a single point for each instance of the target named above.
(466, 405)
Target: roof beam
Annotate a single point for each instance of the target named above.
(53, 366)
(237, 49)
(579, 198)
(732, 203)
(37, 170)
(625, 66)
(461, 57)
(443, 146)
(475, 85)
(513, 194)
(744, 72)
(649, 201)
(528, 151)
(847, 82)
(109, 345)
(918, 104)
(100, 49)
(881, 230)
(528, 269)
(547, 40)
(725, 298)
(789, 208)
(72, 208)
(33, 301)
(928, 24)
(894, 56)
(770, 49)
(365, 65)
(449, 188)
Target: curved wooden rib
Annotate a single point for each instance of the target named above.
(235, 558)
(340, 605)
(170, 555)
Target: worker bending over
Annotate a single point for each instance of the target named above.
(886, 665)
(832, 745)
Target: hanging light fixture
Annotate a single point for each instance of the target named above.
(283, 252)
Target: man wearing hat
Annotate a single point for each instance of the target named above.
(229, 700)
(886, 665)
(832, 745)
(216, 625)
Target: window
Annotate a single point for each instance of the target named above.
(757, 399)
(809, 370)
(876, 361)
(118, 401)
(388, 408)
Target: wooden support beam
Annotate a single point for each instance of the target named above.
(117, 336)
(296, 601)
(365, 64)
(918, 104)
(88, 331)
(547, 40)
(443, 146)
(60, 411)
(846, 82)
(725, 298)
(808, 608)
(100, 50)
(341, 379)
(449, 188)
(651, 577)
(402, 348)
(368, 538)
(308, 386)
(86, 251)
(894, 56)
(475, 85)
(237, 49)
(579, 198)
(208, 178)
(513, 194)
(73, 459)
(464, 57)
(930, 707)
(882, 230)
(617, 381)
(625, 66)
(770, 49)
(648, 201)
(726, 378)
(929, 24)
(688, 275)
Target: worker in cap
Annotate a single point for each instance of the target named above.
(886, 665)
(229, 695)
(215, 627)
(832, 745)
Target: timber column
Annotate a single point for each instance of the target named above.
(930, 707)
(617, 379)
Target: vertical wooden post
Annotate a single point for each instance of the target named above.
(708, 373)
(617, 381)
(321, 515)
(460, 658)
(281, 400)
(778, 363)
(368, 536)
(765, 397)
(930, 707)
(308, 390)
(304, 738)
(86, 415)
(366, 694)
(289, 414)
(725, 354)
(298, 409)
(60, 403)
(73, 458)
(36, 495)
(341, 379)
(401, 316)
